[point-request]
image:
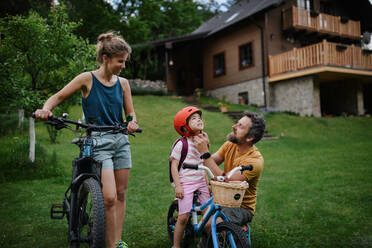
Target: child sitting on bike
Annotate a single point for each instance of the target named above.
(188, 123)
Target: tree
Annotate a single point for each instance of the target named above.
(95, 16)
(146, 20)
(38, 56)
(22, 7)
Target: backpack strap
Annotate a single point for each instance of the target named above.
(185, 148)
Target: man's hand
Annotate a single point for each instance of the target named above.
(201, 142)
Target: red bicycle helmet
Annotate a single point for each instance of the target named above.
(180, 120)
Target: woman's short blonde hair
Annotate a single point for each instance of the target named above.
(111, 45)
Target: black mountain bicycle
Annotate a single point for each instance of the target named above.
(83, 202)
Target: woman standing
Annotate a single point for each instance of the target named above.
(104, 96)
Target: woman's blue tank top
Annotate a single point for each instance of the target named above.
(104, 105)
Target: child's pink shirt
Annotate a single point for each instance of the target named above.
(192, 157)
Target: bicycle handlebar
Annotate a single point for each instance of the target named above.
(196, 167)
(218, 178)
(190, 166)
(241, 168)
(60, 122)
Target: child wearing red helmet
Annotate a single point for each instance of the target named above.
(187, 122)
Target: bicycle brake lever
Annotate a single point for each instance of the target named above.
(57, 124)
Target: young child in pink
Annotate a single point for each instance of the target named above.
(187, 122)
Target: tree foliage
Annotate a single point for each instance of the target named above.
(146, 20)
(95, 16)
(140, 21)
(22, 7)
(38, 57)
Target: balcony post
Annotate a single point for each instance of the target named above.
(352, 56)
(270, 66)
(325, 52)
(295, 16)
(295, 55)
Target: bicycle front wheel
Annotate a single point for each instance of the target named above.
(91, 215)
(229, 235)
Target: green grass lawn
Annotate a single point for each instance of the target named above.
(315, 191)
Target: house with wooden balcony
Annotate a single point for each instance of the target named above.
(302, 56)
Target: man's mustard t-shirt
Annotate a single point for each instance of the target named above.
(233, 158)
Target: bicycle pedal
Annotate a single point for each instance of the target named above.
(57, 211)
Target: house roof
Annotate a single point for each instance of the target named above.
(181, 38)
(236, 13)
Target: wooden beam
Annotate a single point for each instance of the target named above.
(316, 70)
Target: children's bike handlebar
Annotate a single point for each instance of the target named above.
(218, 178)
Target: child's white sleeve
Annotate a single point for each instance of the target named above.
(176, 152)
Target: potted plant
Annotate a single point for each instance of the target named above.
(223, 104)
(241, 100)
(198, 92)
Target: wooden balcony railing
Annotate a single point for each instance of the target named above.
(324, 53)
(300, 18)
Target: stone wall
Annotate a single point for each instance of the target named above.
(298, 95)
(155, 85)
(303, 95)
(253, 87)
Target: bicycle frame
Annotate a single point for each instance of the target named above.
(213, 211)
(84, 168)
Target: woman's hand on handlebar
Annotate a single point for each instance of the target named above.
(132, 126)
(42, 114)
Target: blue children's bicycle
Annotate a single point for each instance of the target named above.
(224, 234)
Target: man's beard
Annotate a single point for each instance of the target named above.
(231, 137)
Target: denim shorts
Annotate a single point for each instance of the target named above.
(113, 150)
(239, 216)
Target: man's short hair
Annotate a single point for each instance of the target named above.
(258, 127)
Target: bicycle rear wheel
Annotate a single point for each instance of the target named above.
(188, 235)
(91, 215)
(224, 230)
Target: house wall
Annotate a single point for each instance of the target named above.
(254, 88)
(299, 95)
(228, 42)
(276, 42)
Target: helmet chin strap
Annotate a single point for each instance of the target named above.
(190, 131)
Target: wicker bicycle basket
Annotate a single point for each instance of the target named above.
(228, 194)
